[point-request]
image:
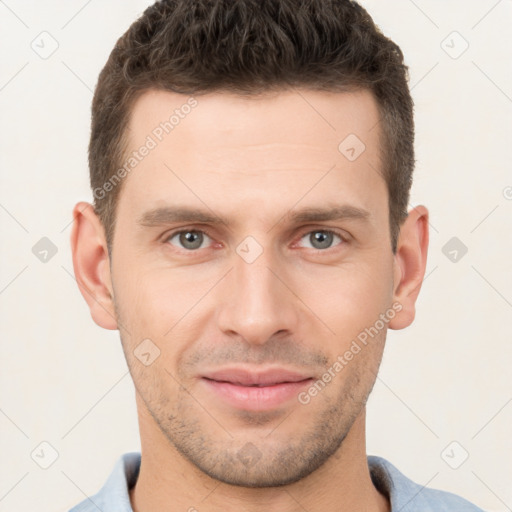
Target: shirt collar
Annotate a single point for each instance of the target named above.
(404, 495)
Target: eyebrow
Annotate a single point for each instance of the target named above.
(167, 215)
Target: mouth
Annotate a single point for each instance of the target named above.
(255, 391)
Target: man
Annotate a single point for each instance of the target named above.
(251, 163)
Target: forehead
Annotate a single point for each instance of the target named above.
(287, 116)
(235, 152)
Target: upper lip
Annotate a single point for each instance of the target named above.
(260, 377)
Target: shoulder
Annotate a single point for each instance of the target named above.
(114, 495)
(408, 496)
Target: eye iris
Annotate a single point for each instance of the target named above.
(191, 239)
(323, 238)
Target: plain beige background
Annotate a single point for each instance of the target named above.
(444, 392)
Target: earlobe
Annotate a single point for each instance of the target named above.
(91, 265)
(409, 265)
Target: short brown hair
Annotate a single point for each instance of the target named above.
(248, 47)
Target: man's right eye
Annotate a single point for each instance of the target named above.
(188, 239)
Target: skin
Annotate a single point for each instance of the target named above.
(252, 161)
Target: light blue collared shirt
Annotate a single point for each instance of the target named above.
(404, 495)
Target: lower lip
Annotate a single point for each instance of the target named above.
(255, 398)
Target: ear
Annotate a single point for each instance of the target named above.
(409, 265)
(92, 266)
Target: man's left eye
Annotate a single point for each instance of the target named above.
(321, 238)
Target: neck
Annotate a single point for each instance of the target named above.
(168, 482)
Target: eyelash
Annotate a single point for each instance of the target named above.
(344, 238)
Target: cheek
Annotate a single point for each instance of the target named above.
(165, 296)
(139, 305)
(163, 305)
(348, 298)
(349, 284)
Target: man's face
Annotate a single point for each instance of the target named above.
(262, 290)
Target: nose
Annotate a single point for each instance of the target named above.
(258, 300)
